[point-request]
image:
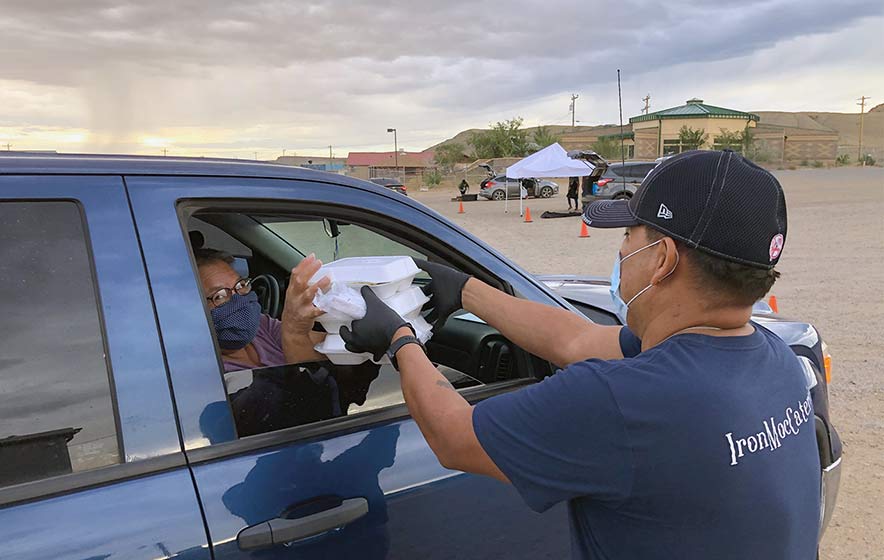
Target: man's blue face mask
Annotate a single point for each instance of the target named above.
(621, 308)
(236, 322)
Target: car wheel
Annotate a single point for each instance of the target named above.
(546, 192)
(622, 196)
(498, 195)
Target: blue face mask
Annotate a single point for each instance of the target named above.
(621, 308)
(236, 322)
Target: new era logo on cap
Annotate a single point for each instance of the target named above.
(716, 202)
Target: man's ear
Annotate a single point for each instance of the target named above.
(667, 260)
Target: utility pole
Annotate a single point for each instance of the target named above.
(164, 152)
(862, 110)
(574, 97)
(331, 156)
(395, 148)
(256, 156)
(283, 152)
(647, 100)
(8, 147)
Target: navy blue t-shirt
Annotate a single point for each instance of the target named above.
(701, 447)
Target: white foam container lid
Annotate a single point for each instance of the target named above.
(384, 275)
(333, 345)
(407, 303)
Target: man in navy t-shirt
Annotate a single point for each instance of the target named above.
(687, 434)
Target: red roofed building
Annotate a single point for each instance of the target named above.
(367, 165)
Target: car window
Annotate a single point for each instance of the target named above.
(56, 411)
(281, 393)
(641, 170)
(310, 235)
(617, 171)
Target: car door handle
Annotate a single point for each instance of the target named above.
(280, 530)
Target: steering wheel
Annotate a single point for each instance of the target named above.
(267, 289)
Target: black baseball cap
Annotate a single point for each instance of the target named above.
(714, 201)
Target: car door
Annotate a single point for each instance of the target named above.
(366, 482)
(90, 460)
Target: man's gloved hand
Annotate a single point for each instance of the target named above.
(445, 290)
(374, 332)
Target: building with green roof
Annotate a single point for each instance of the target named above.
(657, 134)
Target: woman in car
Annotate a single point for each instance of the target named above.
(248, 338)
(277, 398)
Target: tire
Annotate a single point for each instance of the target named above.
(546, 192)
(498, 195)
(622, 196)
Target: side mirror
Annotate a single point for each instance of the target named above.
(331, 228)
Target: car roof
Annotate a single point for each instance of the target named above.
(628, 163)
(386, 181)
(23, 163)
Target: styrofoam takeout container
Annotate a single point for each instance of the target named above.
(407, 302)
(384, 275)
(333, 348)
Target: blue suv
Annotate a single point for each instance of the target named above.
(121, 436)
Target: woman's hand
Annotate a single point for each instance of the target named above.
(299, 313)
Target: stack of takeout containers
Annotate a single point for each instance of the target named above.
(391, 280)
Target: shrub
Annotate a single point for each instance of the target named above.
(433, 177)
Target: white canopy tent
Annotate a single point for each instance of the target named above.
(552, 161)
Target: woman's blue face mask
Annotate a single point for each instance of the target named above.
(236, 322)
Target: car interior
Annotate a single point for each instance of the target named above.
(267, 245)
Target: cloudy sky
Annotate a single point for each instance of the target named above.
(231, 78)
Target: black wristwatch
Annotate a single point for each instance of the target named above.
(400, 342)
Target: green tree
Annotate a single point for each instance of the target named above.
(730, 140)
(503, 139)
(433, 177)
(447, 155)
(691, 139)
(544, 137)
(608, 147)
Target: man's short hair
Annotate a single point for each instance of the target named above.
(724, 282)
(209, 256)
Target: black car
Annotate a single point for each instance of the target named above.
(391, 183)
(619, 181)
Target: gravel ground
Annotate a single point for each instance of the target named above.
(832, 275)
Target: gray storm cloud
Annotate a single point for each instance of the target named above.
(352, 66)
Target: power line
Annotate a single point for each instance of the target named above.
(574, 97)
(862, 110)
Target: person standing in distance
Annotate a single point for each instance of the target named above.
(686, 434)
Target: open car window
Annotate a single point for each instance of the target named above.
(278, 392)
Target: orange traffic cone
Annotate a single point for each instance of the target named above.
(584, 232)
(528, 219)
(772, 302)
(460, 210)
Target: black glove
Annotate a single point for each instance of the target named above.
(374, 332)
(445, 290)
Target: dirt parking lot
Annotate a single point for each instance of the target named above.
(833, 276)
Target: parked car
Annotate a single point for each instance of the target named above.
(619, 181)
(120, 438)
(391, 183)
(501, 187)
(591, 296)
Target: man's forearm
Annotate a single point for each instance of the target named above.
(444, 417)
(556, 335)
